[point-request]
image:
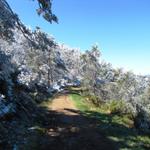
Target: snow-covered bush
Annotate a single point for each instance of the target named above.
(142, 118)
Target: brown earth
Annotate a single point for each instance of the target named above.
(72, 130)
(62, 104)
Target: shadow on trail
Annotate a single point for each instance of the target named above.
(81, 131)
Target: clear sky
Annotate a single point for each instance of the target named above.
(121, 27)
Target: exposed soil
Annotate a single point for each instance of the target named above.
(62, 104)
(72, 130)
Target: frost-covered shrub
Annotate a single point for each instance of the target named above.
(27, 77)
(142, 118)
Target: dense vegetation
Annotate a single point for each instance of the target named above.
(33, 67)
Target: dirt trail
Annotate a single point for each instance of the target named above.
(63, 104)
(72, 130)
(67, 111)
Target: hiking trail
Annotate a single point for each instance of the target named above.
(73, 130)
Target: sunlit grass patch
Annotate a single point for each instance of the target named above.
(79, 101)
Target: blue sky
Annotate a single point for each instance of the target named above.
(121, 27)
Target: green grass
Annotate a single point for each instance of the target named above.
(117, 127)
(80, 103)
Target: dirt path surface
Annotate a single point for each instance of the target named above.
(64, 127)
(72, 130)
(67, 111)
(63, 104)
